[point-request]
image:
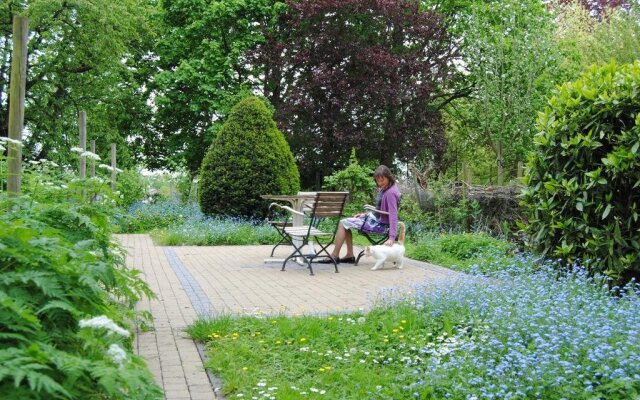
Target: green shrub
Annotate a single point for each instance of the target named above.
(184, 187)
(355, 179)
(466, 252)
(443, 211)
(470, 245)
(249, 157)
(131, 186)
(583, 182)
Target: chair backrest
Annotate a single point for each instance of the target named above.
(327, 205)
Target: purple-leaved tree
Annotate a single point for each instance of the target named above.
(365, 74)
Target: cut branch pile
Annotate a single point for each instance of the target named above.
(498, 203)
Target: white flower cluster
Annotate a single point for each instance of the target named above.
(4, 141)
(360, 320)
(117, 353)
(109, 168)
(90, 155)
(104, 322)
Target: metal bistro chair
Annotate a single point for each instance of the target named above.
(279, 217)
(279, 222)
(373, 237)
(325, 205)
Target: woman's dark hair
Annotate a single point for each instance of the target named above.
(383, 170)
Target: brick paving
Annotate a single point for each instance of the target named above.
(193, 281)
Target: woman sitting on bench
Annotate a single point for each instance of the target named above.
(387, 201)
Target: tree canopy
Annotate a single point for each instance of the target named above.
(202, 73)
(85, 56)
(363, 74)
(160, 77)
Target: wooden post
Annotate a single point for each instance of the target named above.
(113, 166)
(499, 162)
(93, 162)
(466, 180)
(520, 170)
(17, 91)
(82, 125)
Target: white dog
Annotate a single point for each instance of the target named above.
(383, 254)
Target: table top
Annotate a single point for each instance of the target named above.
(300, 195)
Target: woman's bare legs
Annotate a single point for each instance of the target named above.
(343, 235)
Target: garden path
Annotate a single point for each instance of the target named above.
(193, 281)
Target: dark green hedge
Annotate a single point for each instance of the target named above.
(249, 157)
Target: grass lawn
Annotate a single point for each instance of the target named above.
(525, 333)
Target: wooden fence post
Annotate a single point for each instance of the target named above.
(466, 180)
(520, 170)
(17, 91)
(82, 125)
(93, 162)
(500, 161)
(113, 166)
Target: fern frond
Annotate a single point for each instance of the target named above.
(58, 305)
(17, 315)
(17, 365)
(45, 281)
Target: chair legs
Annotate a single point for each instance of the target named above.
(359, 257)
(309, 258)
(284, 239)
(281, 242)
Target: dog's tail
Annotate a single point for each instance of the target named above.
(402, 231)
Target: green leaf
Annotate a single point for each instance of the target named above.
(606, 211)
(579, 206)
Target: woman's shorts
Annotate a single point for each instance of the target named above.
(370, 225)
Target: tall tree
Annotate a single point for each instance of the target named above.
(364, 74)
(510, 57)
(203, 72)
(83, 55)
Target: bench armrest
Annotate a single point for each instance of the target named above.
(291, 210)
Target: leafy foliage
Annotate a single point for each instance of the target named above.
(202, 73)
(58, 267)
(360, 74)
(582, 196)
(441, 211)
(248, 158)
(82, 56)
(586, 39)
(599, 7)
(142, 217)
(131, 186)
(355, 179)
(511, 59)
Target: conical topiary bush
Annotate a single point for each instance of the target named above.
(249, 157)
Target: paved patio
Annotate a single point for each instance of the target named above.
(193, 281)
